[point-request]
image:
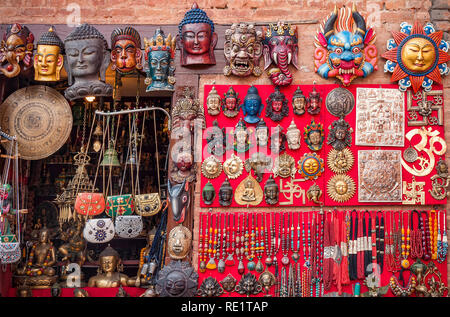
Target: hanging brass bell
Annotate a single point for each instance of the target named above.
(110, 158)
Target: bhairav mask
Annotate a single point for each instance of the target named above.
(126, 55)
(87, 59)
(243, 50)
(16, 50)
(280, 47)
(196, 38)
(417, 56)
(159, 53)
(49, 58)
(345, 47)
(252, 106)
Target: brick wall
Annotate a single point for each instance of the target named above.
(384, 16)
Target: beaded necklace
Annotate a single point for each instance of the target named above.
(285, 242)
(397, 240)
(442, 244)
(416, 236)
(295, 250)
(240, 246)
(251, 265)
(291, 281)
(344, 249)
(360, 250)
(306, 241)
(328, 256)
(380, 233)
(222, 237)
(231, 238)
(283, 283)
(298, 281)
(269, 260)
(202, 247)
(352, 253)
(211, 265)
(367, 240)
(389, 248)
(405, 244)
(217, 237)
(259, 244)
(434, 234)
(275, 257)
(426, 237)
(241, 235)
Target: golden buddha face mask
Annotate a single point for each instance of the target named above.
(48, 60)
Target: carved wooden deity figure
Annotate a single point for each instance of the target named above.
(16, 50)
(49, 58)
(87, 58)
(126, 55)
(243, 50)
(280, 47)
(196, 38)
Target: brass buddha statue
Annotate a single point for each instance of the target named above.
(109, 271)
(38, 271)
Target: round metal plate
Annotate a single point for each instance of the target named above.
(340, 102)
(40, 118)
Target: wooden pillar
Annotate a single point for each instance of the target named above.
(183, 80)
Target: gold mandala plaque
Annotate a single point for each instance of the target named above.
(40, 118)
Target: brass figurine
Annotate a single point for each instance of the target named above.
(340, 162)
(210, 287)
(38, 271)
(341, 188)
(284, 166)
(259, 163)
(233, 167)
(108, 274)
(211, 167)
(249, 192)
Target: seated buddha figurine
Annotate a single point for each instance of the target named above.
(38, 269)
(109, 271)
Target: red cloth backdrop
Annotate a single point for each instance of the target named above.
(302, 121)
(384, 277)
